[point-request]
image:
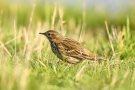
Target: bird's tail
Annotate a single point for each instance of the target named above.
(96, 57)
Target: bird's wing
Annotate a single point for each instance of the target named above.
(74, 49)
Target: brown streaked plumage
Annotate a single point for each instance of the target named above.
(67, 49)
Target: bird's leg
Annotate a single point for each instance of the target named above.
(59, 62)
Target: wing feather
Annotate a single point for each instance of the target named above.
(74, 49)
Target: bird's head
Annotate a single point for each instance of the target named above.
(53, 35)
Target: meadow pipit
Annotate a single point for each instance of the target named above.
(67, 49)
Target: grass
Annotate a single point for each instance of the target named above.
(27, 63)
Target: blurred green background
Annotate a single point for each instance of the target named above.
(96, 12)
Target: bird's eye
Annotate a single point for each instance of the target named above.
(48, 34)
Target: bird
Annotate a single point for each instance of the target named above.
(68, 50)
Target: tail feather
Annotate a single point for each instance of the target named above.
(96, 57)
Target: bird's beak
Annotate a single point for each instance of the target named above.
(42, 33)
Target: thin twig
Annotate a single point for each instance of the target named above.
(42, 64)
(15, 37)
(31, 17)
(54, 15)
(5, 49)
(109, 37)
